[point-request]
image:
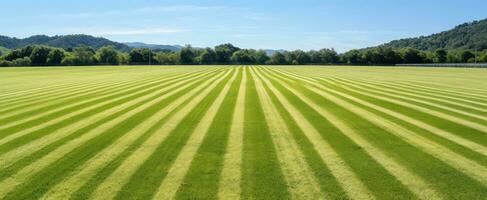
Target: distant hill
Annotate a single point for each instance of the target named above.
(64, 41)
(471, 35)
(154, 46)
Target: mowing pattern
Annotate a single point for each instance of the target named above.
(247, 132)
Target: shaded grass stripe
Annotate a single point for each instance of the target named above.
(24, 150)
(443, 95)
(111, 185)
(432, 129)
(28, 171)
(48, 89)
(429, 111)
(352, 185)
(72, 183)
(25, 117)
(300, 179)
(449, 87)
(413, 182)
(448, 91)
(35, 99)
(19, 102)
(208, 160)
(414, 93)
(143, 183)
(260, 165)
(175, 175)
(230, 178)
(61, 89)
(455, 160)
(24, 109)
(26, 131)
(88, 97)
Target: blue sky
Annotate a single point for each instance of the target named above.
(284, 24)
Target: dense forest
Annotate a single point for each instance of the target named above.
(465, 43)
(39, 55)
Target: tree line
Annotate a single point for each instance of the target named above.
(40, 55)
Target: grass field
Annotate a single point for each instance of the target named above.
(208, 132)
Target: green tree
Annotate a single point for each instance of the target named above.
(187, 55)
(440, 56)
(261, 57)
(39, 55)
(108, 55)
(277, 58)
(328, 56)
(224, 52)
(243, 56)
(466, 56)
(25, 61)
(84, 55)
(55, 56)
(410, 55)
(352, 57)
(141, 56)
(207, 56)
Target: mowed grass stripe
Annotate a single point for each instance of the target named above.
(392, 109)
(262, 177)
(32, 108)
(460, 163)
(454, 105)
(17, 103)
(230, 177)
(20, 119)
(66, 96)
(66, 155)
(146, 139)
(187, 157)
(458, 93)
(330, 186)
(347, 179)
(114, 184)
(463, 139)
(412, 181)
(120, 104)
(477, 102)
(63, 89)
(102, 159)
(79, 114)
(299, 177)
(427, 110)
(409, 114)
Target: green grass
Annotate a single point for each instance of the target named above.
(135, 132)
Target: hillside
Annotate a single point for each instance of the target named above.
(471, 35)
(65, 41)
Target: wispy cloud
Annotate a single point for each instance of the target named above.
(242, 35)
(143, 10)
(256, 16)
(179, 8)
(117, 31)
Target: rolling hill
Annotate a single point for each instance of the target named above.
(65, 41)
(471, 35)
